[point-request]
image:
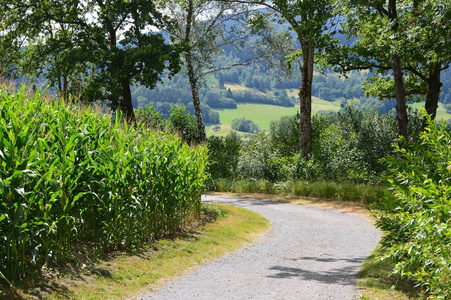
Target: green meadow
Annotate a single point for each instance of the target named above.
(441, 111)
(263, 114)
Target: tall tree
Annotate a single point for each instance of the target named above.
(406, 41)
(428, 34)
(204, 28)
(111, 40)
(377, 26)
(308, 20)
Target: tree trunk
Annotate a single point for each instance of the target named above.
(433, 92)
(400, 91)
(60, 88)
(195, 95)
(65, 88)
(191, 75)
(401, 109)
(305, 98)
(127, 105)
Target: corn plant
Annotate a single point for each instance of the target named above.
(71, 175)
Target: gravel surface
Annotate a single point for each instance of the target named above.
(309, 253)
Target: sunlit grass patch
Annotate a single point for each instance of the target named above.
(375, 282)
(139, 272)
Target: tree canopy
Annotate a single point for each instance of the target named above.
(101, 46)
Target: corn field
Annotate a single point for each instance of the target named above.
(68, 175)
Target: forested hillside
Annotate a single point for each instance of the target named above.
(258, 84)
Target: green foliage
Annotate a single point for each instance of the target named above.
(417, 220)
(284, 135)
(244, 125)
(150, 116)
(184, 124)
(105, 55)
(259, 161)
(223, 155)
(67, 175)
(347, 145)
(252, 97)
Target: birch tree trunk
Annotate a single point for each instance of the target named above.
(191, 74)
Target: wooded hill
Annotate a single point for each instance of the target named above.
(257, 83)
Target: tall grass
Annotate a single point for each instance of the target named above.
(344, 191)
(68, 175)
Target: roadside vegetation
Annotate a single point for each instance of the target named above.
(357, 157)
(73, 183)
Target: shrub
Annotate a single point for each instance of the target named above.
(150, 116)
(417, 220)
(259, 161)
(184, 124)
(346, 145)
(223, 155)
(244, 125)
(284, 135)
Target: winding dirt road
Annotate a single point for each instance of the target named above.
(309, 253)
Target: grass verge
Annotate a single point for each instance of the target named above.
(127, 275)
(342, 192)
(375, 284)
(352, 207)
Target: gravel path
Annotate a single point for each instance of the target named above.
(309, 253)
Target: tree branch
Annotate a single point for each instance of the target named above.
(243, 63)
(416, 72)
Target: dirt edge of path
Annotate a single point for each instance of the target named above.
(345, 206)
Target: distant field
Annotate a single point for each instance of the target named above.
(225, 130)
(441, 111)
(263, 114)
(237, 87)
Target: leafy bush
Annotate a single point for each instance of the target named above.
(150, 116)
(347, 145)
(417, 221)
(259, 161)
(223, 155)
(244, 125)
(67, 175)
(284, 135)
(184, 124)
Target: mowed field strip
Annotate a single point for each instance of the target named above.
(263, 114)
